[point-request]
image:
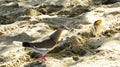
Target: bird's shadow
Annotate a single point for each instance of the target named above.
(36, 64)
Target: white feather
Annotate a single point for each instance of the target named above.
(17, 43)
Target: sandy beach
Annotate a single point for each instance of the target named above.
(86, 44)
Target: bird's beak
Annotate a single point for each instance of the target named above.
(63, 27)
(66, 28)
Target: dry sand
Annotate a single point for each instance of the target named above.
(82, 46)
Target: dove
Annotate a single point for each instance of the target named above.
(46, 45)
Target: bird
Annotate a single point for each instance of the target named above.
(46, 45)
(97, 24)
(98, 28)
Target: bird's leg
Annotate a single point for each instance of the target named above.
(42, 57)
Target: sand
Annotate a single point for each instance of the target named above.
(81, 46)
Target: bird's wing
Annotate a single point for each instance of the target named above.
(49, 43)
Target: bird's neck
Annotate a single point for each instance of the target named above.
(56, 35)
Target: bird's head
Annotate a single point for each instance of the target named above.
(97, 22)
(63, 27)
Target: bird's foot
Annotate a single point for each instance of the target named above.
(42, 57)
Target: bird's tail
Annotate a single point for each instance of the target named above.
(26, 44)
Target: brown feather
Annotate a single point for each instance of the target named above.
(48, 43)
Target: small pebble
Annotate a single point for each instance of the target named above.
(75, 58)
